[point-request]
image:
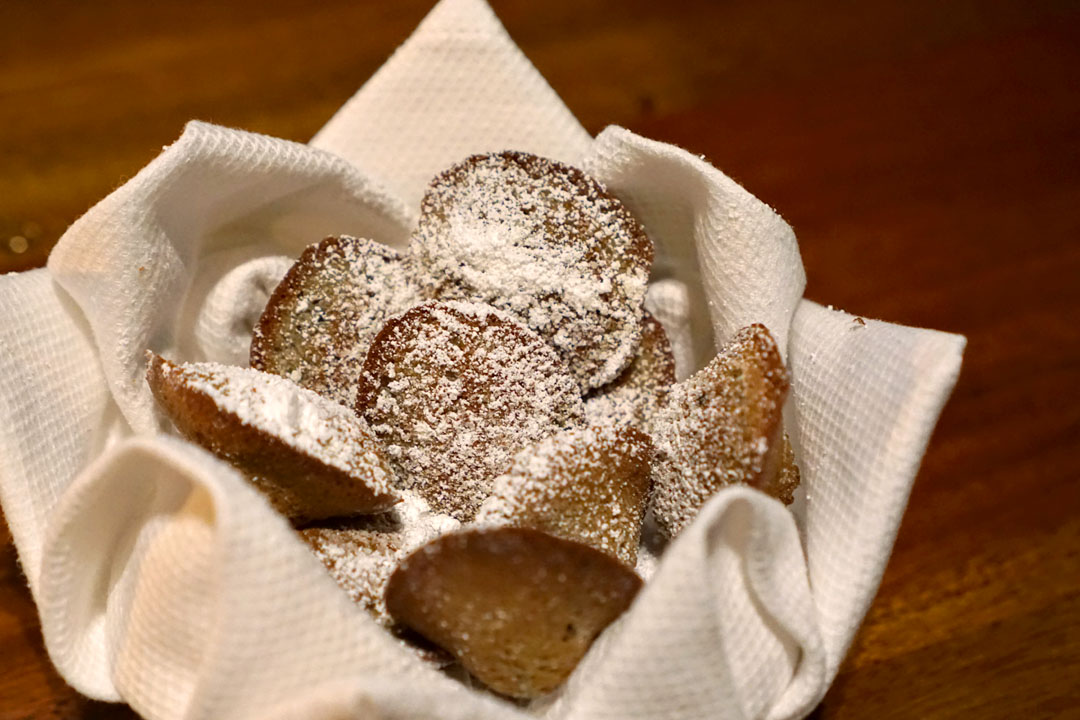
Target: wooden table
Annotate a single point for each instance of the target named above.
(927, 155)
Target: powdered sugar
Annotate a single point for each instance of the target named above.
(303, 420)
(360, 554)
(588, 484)
(454, 390)
(319, 322)
(639, 392)
(545, 242)
(721, 426)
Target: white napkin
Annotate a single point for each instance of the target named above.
(163, 580)
(458, 87)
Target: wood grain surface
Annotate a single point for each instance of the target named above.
(926, 153)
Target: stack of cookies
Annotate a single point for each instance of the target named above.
(472, 434)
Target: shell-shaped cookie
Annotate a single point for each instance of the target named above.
(311, 456)
(360, 554)
(454, 390)
(545, 242)
(639, 392)
(517, 607)
(721, 426)
(588, 484)
(319, 321)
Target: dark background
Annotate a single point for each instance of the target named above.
(926, 153)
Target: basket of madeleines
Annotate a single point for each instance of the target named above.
(482, 438)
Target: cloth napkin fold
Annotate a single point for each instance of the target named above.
(182, 592)
(190, 214)
(488, 97)
(163, 580)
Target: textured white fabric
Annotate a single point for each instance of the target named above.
(168, 581)
(235, 293)
(725, 626)
(55, 410)
(394, 698)
(129, 262)
(668, 300)
(735, 255)
(164, 580)
(458, 86)
(865, 399)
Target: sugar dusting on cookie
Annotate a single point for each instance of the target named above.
(361, 553)
(319, 322)
(545, 242)
(453, 390)
(720, 427)
(638, 393)
(588, 484)
(303, 420)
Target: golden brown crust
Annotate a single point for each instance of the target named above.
(453, 391)
(787, 477)
(517, 607)
(722, 426)
(590, 485)
(349, 478)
